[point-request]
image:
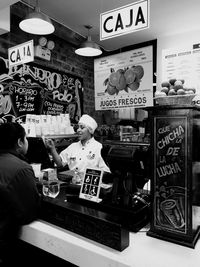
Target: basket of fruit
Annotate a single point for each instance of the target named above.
(173, 92)
(175, 100)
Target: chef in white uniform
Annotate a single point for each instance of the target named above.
(86, 153)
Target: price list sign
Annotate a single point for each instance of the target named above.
(91, 185)
(26, 98)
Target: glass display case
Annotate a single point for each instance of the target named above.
(175, 186)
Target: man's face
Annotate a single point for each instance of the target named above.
(24, 146)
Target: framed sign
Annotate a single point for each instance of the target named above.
(35, 89)
(182, 62)
(175, 199)
(125, 80)
(124, 20)
(170, 161)
(90, 188)
(21, 53)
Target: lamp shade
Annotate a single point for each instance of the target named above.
(37, 23)
(88, 49)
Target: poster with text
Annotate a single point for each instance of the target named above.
(91, 185)
(124, 80)
(35, 89)
(183, 63)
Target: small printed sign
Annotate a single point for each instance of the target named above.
(42, 52)
(21, 54)
(124, 20)
(90, 188)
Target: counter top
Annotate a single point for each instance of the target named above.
(143, 251)
(125, 143)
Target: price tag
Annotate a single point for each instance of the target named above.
(90, 188)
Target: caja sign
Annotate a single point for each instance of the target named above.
(123, 20)
(21, 54)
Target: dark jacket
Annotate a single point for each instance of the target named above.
(19, 197)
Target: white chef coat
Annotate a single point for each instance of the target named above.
(80, 157)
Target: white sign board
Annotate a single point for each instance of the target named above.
(124, 80)
(21, 54)
(183, 63)
(123, 20)
(91, 185)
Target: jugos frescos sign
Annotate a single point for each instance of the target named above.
(34, 89)
(125, 80)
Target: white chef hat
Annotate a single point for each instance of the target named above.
(89, 122)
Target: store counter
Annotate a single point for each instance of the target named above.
(143, 251)
(52, 235)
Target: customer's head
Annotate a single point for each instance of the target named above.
(13, 137)
(87, 126)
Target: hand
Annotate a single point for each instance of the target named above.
(50, 144)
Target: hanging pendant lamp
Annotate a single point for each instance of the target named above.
(37, 23)
(88, 48)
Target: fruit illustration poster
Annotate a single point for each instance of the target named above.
(124, 80)
(182, 63)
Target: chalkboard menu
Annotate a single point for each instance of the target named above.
(25, 98)
(34, 89)
(170, 157)
(173, 208)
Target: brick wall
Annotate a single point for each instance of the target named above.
(63, 56)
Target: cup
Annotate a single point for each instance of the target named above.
(77, 178)
(172, 213)
(37, 169)
(51, 189)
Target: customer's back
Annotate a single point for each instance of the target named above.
(19, 198)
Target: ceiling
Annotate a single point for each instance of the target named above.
(167, 17)
(5, 3)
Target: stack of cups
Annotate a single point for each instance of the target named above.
(38, 125)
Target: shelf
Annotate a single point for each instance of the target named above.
(61, 136)
(124, 143)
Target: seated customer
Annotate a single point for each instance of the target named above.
(86, 153)
(19, 198)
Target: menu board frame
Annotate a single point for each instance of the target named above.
(172, 174)
(35, 89)
(126, 94)
(182, 62)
